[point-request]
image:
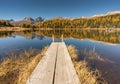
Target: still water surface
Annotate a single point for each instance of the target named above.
(106, 44)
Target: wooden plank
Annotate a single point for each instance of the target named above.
(44, 72)
(65, 72)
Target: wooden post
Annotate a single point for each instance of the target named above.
(53, 38)
(62, 38)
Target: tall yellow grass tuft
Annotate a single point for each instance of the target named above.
(17, 71)
(85, 73)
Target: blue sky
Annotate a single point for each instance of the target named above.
(18, 9)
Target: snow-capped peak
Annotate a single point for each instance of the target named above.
(108, 13)
(98, 15)
(113, 12)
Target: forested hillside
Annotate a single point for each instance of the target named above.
(95, 22)
(108, 21)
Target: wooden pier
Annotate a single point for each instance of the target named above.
(56, 67)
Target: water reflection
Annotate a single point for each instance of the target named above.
(30, 37)
(102, 41)
(96, 35)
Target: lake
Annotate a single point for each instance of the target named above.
(104, 43)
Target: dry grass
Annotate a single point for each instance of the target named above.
(84, 71)
(17, 70)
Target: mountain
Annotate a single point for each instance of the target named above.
(108, 13)
(100, 15)
(38, 19)
(113, 12)
(30, 20)
(11, 20)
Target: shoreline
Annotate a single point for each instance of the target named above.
(3, 29)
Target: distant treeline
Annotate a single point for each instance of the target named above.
(4, 23)
(109, 21)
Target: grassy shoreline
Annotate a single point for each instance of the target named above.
(17, 71)
(86, 74)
